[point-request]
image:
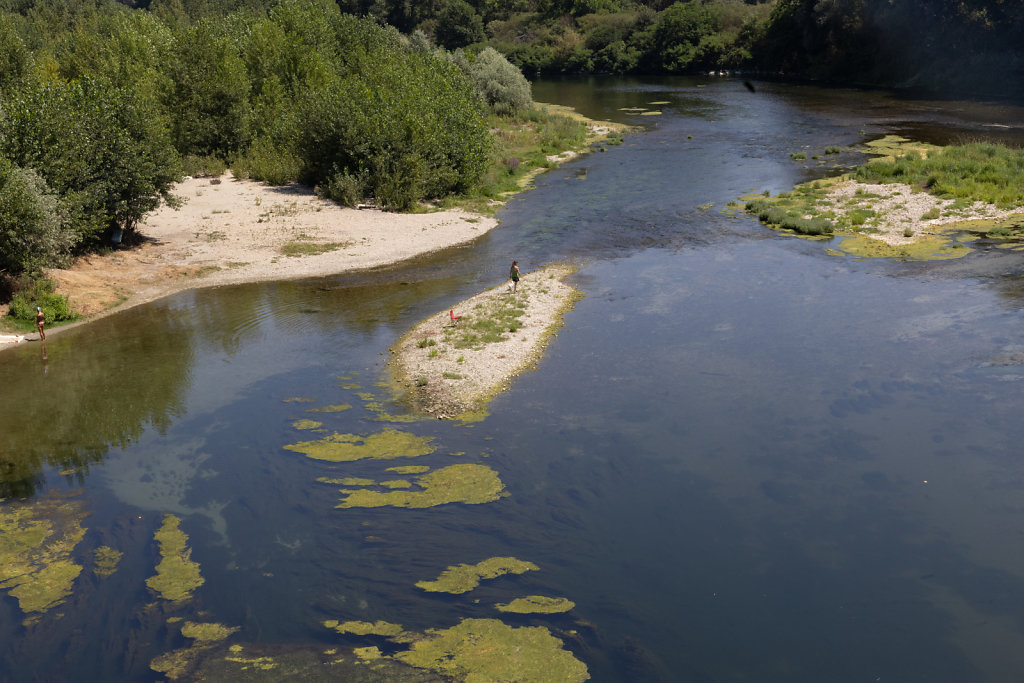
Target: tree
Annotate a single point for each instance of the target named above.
(678, 33)
(209, 99)
(101, 148)
(458, 25)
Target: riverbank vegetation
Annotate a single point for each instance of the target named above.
(964, 46)
(106, 106)
(909, 192)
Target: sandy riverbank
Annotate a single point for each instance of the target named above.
(449, 369)
(229, 231)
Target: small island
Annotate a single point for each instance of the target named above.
(451, 364)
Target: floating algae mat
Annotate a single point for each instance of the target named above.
(537, 604)
(176, 575)
(179, 663)
(482, 650)
(386, 445)
(931, 248)
(263, 663)
(471, 484)
(36, 542)
(206, 632)
(365, 628)
(463, 578)
(307, 424)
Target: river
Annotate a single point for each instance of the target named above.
(744, 457)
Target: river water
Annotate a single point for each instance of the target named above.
(743, 458)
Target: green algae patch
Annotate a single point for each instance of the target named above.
(177, 663)
(930, 248)
(894, 146)
(176, 575)
(537, 604)
(386, 445)
(307, 424)
(463, 578)
(105, 560)
(206, 632)
(250, 663)
(36, 543)
(470, 484)
(473, 416)
(368, 654)
(275, 663)
(297, 399)
(487, 650)
(409, 469)
(331, 409)
(365, 628)
(347, 481)
(48, 587)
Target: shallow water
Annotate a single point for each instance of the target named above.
(742, 458)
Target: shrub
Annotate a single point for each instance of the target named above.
(500, 82)
(266, 161)
(40, 293)
(34, 227)
(200, 166)
(343, 188)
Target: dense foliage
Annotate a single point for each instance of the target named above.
(942, 45)
(105, 104)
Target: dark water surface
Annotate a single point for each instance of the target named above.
(743, 459)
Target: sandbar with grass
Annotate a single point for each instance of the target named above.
(452, 369)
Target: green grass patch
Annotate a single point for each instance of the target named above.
(301, 247)
(489, 322)
(979, 171)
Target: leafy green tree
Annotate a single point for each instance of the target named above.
(102, 148)
(14, 54)
(458, 25)
(405, 125)
(209, 99)
(678, 33)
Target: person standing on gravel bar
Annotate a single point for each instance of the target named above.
(40, 319)
(513, 273)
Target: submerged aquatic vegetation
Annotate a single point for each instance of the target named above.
(206, 632)
(176, 575)
(471, 484)
(307, 424)
(409, 469)
(463, 578)
(385, 445)
(537, 604)
(331, 409)
(105, 560)
(347, 481)
(480, 650)
(36, 542)
(260, 663)
(931, 248)
(365, 628)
